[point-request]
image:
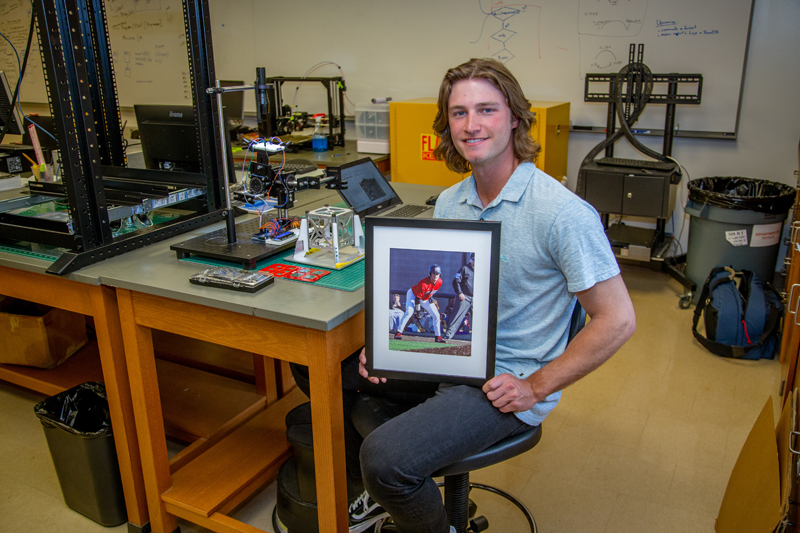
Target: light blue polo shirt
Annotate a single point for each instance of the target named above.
(552, 245)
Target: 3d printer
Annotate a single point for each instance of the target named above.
(276, 119)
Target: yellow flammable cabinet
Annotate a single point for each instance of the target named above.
(413, 141)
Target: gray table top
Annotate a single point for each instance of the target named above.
(156, 270)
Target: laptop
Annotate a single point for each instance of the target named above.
(369, 193)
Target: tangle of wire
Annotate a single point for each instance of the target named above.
(253, 198)
(316, 67)
(274, 227)
(15, 99)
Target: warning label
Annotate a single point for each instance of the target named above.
(429, 144)
(766, 235)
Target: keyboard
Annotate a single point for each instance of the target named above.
(636, 163)
(297, 166)
(408, 211)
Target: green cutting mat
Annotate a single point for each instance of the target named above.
(25, 248)
(348, 279)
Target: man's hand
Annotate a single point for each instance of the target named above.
(362, 360)
(509, 393)
(461, 296)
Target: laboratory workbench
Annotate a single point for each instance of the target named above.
(229, 459)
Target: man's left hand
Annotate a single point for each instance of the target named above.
(509, 393)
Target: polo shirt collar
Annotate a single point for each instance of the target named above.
(512, 191)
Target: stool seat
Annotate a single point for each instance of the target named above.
(496, 453)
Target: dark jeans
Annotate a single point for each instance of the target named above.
(438, 425)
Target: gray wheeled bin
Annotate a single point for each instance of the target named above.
(737, 222)
(77, 427)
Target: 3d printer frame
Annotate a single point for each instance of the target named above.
(269, 119)
(76, 55)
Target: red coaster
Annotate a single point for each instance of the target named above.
(279, 270)
(307, 274)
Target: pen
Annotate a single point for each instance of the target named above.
(640, 131)
(337, 155)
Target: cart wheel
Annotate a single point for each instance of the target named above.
(685, 301)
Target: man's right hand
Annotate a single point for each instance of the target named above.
(362, 360)
(461, 296)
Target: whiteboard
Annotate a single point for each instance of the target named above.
(148, 43)
(402, 50)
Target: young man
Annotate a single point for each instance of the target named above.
(553, 249)
(420, 296)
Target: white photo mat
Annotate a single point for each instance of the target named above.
(439, 236)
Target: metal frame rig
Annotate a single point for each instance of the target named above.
(76, 55)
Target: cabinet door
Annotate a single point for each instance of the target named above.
(604, 191)
(790, 337)
(643, 196)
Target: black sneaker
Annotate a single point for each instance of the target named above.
(364, 512)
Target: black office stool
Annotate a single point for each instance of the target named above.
(370, 412)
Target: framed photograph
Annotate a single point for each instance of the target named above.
(431, 299)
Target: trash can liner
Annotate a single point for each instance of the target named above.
(743, 193)
(81, 411)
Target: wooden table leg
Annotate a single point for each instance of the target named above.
(326, 414)
(147, 413)
(118, 391)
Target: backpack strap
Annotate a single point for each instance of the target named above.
(725, 350)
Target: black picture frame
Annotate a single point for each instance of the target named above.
(400, 254)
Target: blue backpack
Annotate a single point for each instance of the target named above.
(741, 322)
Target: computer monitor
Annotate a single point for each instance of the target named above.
(169, 137)
(7, 111)
(234, 104)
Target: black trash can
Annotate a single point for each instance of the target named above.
(77, 427)
(737, 222)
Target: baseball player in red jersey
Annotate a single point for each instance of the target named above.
(420, 294)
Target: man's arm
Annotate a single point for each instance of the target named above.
(613, 322)
(457, 282)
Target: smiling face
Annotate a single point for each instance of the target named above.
(481, 123)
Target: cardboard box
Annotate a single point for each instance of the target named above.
(757, 497)
(37, 335)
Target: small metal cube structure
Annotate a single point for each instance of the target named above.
(331, 228)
